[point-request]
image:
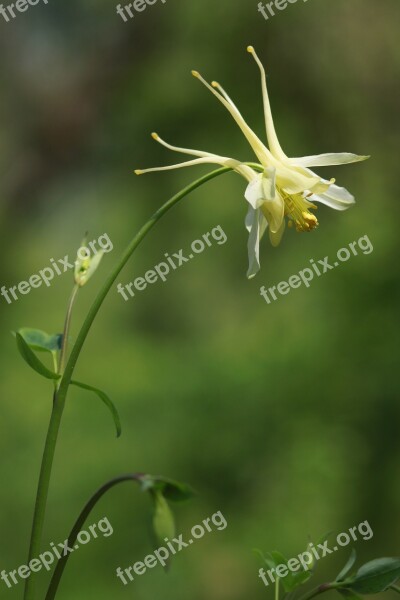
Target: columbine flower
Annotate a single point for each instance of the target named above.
(278, 187)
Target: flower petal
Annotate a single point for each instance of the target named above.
(274, 212)
(326, 160)
(254, 193)
(335, 197)
(256, 224)
(340, 193)
(293, 182)
(275, 237)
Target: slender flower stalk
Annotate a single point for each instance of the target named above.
(60, 394)
(286, 188)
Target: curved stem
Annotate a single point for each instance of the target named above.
(395, 588)
(320, 590)
(62, 563)
(139, 237)
(61, 392)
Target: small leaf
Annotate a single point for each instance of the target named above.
(292, 579)
(346, 569)
(40, 340)
(32, 360)
(172, 490)
(349, 595)
(375, 576)
(163, 519)
(106, 401)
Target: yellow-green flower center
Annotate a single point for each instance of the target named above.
(297, 209)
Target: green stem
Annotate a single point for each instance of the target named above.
(62, 563)
(320, 590)
(61, 393)
(395, 588)
(139, 237)
(42, 491)
(67, 325)
(277, 589)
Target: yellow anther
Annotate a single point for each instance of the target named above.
(155, 136)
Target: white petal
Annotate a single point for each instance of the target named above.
(256, 224)
(340, 193)
(324, 199)
(275, 237)
(326, 160)
(274, 212)
(261, 187)
(335, 197)
(269, 183)
(254, 193)
(294, 182)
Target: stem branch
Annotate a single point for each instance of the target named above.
(62, 563)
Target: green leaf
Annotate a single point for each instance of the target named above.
(292, 579)
(106, 401)
(40, 340)
(375, 576)
(268, 560)
(32, 360)
(346, 569)
(172, 490)
(163, 519)
(349, 595)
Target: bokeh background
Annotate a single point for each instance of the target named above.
(285, 416)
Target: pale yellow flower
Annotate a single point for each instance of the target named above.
(286, 187)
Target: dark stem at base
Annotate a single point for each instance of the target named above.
(62, 563)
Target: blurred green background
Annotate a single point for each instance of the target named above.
(285, 416)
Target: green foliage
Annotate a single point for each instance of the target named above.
(170, 489)
(375, 576)
(107, 401)
(163, 519)
(32, 360)
(347, 567)
(372, 578)
(40, 340)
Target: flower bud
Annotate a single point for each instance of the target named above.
(85, 265)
